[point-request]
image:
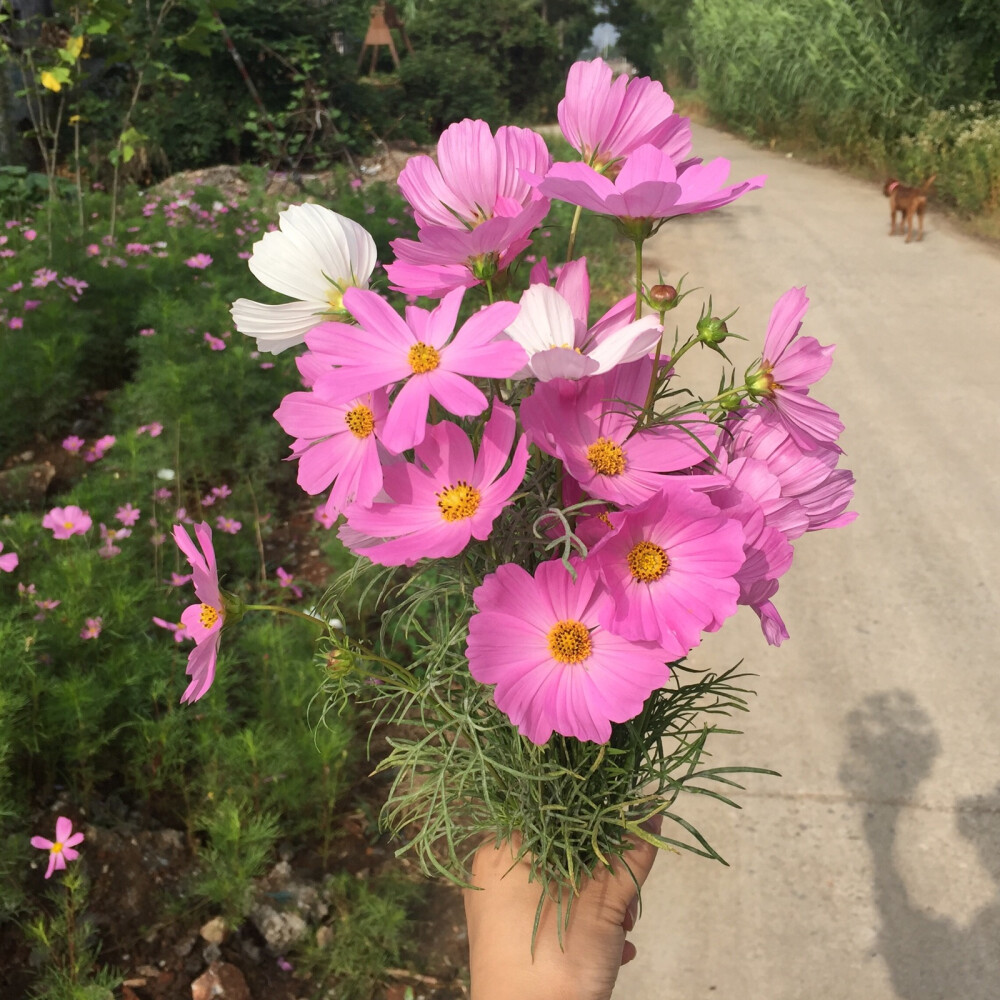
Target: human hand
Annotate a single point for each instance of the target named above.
(501, 912)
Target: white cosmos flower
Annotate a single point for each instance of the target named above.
(313, 256)
(560, 346)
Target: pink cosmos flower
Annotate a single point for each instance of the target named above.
(73, 444)
(92, 628)
(30, 235)
(605, 117)
(179, 630)
(16, 323)
(208, 500)
(323, 517)
(98, 449)
(670, 567)
(424, 353)
(109, 536)
(76, 284)
(222, 491)
(473, 209)
(540, 640)
(93, 249)
(445, 498)
(286, 580)
(313, 258)
(336, 444)
(552, 328)
(589, 426)
(154, 429)
(228, 525)
(199, 261)
(216, 343)
(649, 187)
(128, 514)
(43, 276)
(8, 563)
(31, 304)
(147, 332)
(61, 849)
(64, 522)
(203, 621)
(789, 365)
(45, 605)
(180, 579)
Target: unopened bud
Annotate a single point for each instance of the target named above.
(730, 402)
(712, 330)
(662, 296)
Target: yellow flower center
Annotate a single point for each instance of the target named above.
(209, 615)
(569, 642)
(68, 525)
(458, 501)
(647, 562)
(335, 296)
(423, 358)
(360, 421)
(56, 848)
(606, 458)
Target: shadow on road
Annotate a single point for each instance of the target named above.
(891, 749)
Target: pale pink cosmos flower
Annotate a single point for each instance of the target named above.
(208, 500)
(648, 188)
(606, 118)
(336, 444)
(31, 304)
(64, 522)
(286, 580)
(43, 276)
(425, 354)
(199, 261)
(30, 235)
(155, 429)
(551, 326)
(228, 525)
(313, 258)
(472, 206)
(92, 628)
(8, 562)
(446, 497)
(73, 444)
(61, 849)
(16, 323)
(670, 566)
(323, 517)
(109, 536)
(179, 630)
(556, 668)
(93, 249)
(590, 427)
(147, 331)
(44, 606)
(127, 514)
(222, 491)
(789, 366)
(215, 343)
(203, 621)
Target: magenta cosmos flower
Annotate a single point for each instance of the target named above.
(203, 621)
(336, 444)
(670, 567)
(789, 365)
(424, 355)
(314, 256)
(61, 849)
(445, 498)
(8, 562)
(473, 208)
(552, 328)
(649, 187)
(540, 640)
(64, 522)
(590, 429)
(605, 117)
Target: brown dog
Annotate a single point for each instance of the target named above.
(909, 202)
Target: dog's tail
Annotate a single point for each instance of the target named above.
(926, 186)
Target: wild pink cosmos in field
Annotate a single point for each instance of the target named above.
(127, 514)
(551, 326)
(8, 562)
(424, 355)
(92, 628)
(228, 525)
(199, 261)
(64, 522)
(73, 444)
(669, 565)
(473, 208)
(204, 620)
(45, 605)
(649, 187)
(590, 427)
(556, 668)
(16, 323)
(605, 117)
(336, 444)
(313, 257)
(61, 849)
(789, 365)
(215, 343)
(287, 581)
(443, 499)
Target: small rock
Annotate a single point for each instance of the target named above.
(214, 932)
(324, 936)
(184, 947)
(148, 970)
(221, 981)
(211, 953)
(280, 930)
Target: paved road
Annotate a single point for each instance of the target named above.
(871, 869)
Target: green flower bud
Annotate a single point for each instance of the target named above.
(712, 330)
(730, 402)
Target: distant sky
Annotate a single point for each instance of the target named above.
(603, 35)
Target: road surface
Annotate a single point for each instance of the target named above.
(871, 869)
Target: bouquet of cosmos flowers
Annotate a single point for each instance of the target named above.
(546, 520)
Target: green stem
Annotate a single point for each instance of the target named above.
(638, 279)
(277, 609)
(647, 407)
(489, 289)
(572, 232)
